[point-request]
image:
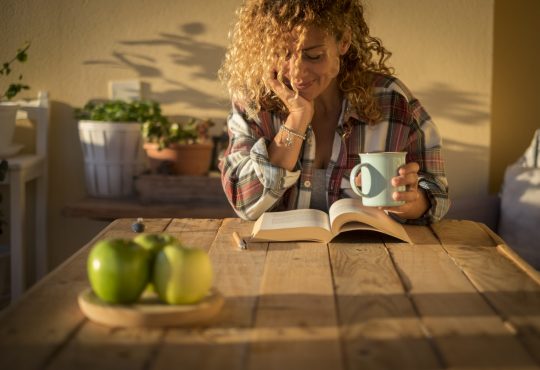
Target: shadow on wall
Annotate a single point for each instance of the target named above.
(457, 105)
(65, 131)
(459, 158)
(200, 60)
(466, 164)
(469, 204)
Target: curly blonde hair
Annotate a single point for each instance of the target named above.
(262, 33)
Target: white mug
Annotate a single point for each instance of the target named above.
(378, 169)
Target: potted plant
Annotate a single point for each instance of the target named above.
(8, 109)
(178, 148)
(111, 142)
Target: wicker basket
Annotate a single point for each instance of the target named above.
(113, 156)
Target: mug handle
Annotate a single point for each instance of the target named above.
(354, 172)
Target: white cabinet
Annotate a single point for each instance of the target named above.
(24, 168)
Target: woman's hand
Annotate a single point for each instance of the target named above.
(416, 202)
(300, 109)
(281, 153)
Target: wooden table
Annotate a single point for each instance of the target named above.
(458, 298)
(111, 209)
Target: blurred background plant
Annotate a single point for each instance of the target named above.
(120, 111)
(16, 87)
(165, 133)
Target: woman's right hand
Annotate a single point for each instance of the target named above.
(300, 108)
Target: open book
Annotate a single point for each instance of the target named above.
(316, 225)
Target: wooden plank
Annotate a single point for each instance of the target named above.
(296, 325)
(96, 346)
(420, 235)
(509, 253)
(379, 326)
(506, 286)
(121, 228)
(199, 233)
(463, 326)
(35, 328)
(110, 209)
(224, 343)
(462, 232)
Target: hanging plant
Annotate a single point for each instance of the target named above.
(14, 88)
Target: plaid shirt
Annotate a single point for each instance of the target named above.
(253, 185)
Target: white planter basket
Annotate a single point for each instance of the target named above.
(113, 155)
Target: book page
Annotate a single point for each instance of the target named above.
(348, 205)
(295, 218)
(300, 224)
(350, 214)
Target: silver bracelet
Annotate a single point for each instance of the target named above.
(291, 134)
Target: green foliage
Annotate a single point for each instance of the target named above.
(156, 127)
(121, 111)
(165, 133)
(14, 88)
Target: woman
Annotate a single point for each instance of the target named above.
(310, 90)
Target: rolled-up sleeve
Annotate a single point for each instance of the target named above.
(252, 184)
(424, 147)
(411, 129)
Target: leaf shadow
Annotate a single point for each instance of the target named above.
(460, 106)
(196, 58)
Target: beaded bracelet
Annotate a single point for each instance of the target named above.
(290, 135)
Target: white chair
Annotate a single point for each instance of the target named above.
(23, 168)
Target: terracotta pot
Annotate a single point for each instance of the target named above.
(180, 159)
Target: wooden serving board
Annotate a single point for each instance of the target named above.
(149, 311)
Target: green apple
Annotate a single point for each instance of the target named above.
(153, 243)
(182, 275)
(118, 270)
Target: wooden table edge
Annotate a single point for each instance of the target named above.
(509, 253)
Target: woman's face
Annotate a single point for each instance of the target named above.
(312, 70)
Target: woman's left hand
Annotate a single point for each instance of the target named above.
(416, 202)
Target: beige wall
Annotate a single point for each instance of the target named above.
(516, 96)
(442, 50)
